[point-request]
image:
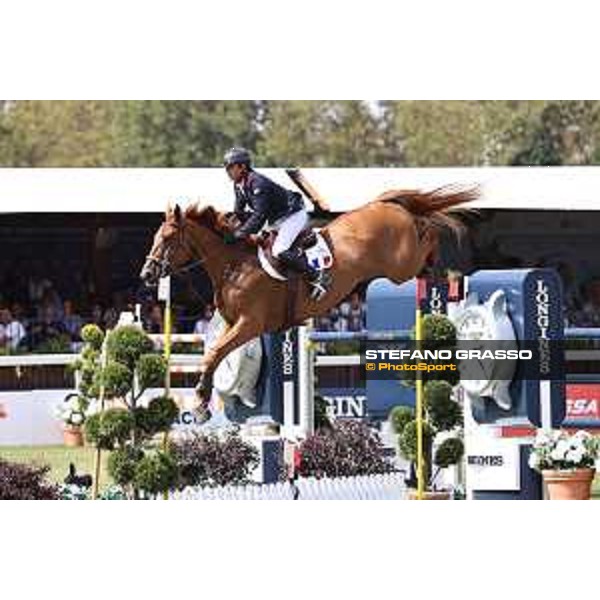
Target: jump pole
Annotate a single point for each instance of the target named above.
(421, 292)
(164, 293)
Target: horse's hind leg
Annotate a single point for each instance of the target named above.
(237, 334)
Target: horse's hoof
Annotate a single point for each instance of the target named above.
(203, 389)
(203, 415)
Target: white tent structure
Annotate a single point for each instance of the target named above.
(149, 190)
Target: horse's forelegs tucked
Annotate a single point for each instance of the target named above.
(239, 333)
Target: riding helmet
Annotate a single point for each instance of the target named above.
(237, 156)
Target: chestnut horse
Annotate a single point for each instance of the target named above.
(393, 236)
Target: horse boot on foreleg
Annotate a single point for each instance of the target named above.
(236, 335)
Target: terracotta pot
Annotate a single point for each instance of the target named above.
(73, 436)
(412, 495)
(574, 484)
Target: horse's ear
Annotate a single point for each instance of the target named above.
(169, 208)
(177, 213)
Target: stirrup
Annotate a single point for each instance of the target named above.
(319, 285)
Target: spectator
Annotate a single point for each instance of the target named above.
(72, 321)
(591, 307)
(43, 330)
(155, 320)
(50, 301)
(201, 326)
(37, 284)
(110, 318)
(352, 312)
(11, 330)
(97, 313)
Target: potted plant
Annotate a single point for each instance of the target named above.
(442, 420)
(129, 429)
(566, 462)
(72, 412)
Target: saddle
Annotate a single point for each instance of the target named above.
(307, 238)
(310, 241)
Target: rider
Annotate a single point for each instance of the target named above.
(270, 203)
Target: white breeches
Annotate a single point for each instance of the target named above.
(288, 230)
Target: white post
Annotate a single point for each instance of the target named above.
(306, 381)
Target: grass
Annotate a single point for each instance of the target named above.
(59, 458)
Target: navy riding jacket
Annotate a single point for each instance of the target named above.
(267, 200)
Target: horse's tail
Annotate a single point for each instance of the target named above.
(432, 209)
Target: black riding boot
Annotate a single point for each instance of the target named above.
(296, 260)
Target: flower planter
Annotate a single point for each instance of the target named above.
(412, 495)
(572, 484)
(73, 436)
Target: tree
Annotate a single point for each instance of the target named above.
(452, 133)
(323, 133)
(128, 432)
(178, 133)
(69, 133)
(565, 134)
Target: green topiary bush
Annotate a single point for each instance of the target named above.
(156, 473)
(151, 370)
(399, 417)
(131, 369)
(122, 464)
(94, 336)
(127, 344)
(158, 416)
(110, 428)
(449, 452)
(442, 411)
(408, 439)
(439, 330)
(117, 379)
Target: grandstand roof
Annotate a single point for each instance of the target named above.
(148, 190)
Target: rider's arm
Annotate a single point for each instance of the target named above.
(261, 212)
(240, 204)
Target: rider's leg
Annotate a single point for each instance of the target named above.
(296, 260)
(287, 232)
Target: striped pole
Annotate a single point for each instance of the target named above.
(165, 294)
(421, 295)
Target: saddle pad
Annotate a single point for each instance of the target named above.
(319, 256)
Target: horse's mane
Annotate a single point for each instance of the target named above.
(207, 216)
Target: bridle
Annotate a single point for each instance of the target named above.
(163, 262)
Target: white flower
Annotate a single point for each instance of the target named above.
(534, 460)
(76, 418)
(543, 437)
(575, 456)
(559, 451)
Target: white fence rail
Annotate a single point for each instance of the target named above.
(369, 487)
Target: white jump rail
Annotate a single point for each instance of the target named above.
(187, 361)
(49, 360)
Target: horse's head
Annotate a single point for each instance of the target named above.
(170, 250)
